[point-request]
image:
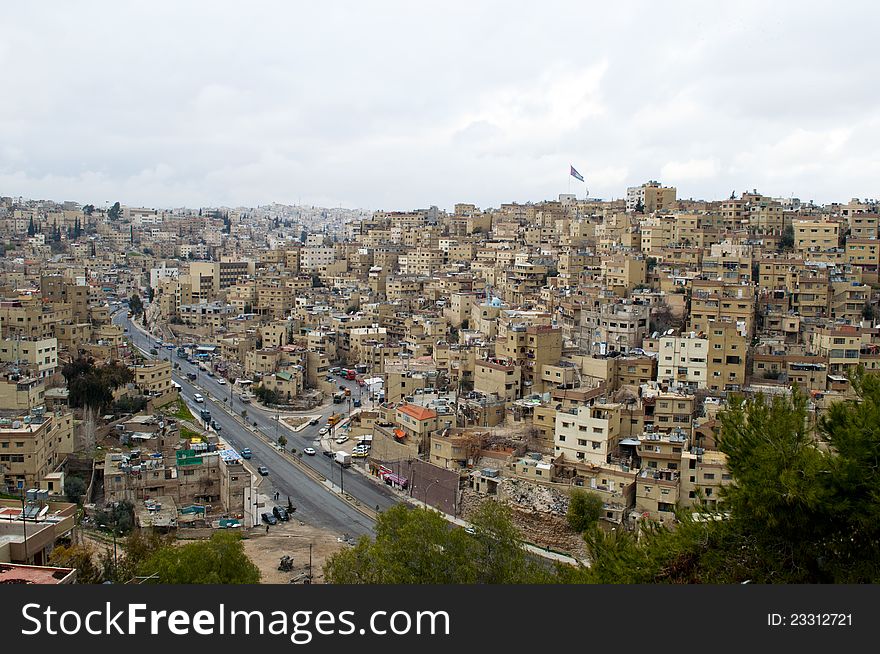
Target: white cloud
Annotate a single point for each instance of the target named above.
(397, 105)
(690, 170)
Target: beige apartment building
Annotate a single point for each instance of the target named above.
(841, 346)
(815, 235)
(37, 357)
(32, 446)
(588, 434)
(496, 378)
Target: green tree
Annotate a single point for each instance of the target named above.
(219, 560)
(136, 305)
(115, 211)
(415, 546)
(74, 489)
(83, 559)
(786, 241)
(31, 230)
(282, 440)
(584, 510)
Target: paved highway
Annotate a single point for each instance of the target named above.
(315, 504)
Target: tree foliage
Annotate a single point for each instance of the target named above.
(414, 546)
(136, 305)
(584, 510)
(119, 518)
(219, 560)
(804, 506)
(74, 488)
(267, 395)
(91, 386)
(786, 241)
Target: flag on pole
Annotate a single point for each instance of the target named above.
(576, 174)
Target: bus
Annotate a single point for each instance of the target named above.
(338, 397)
(332, 420)
(350, 374)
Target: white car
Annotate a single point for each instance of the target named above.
(323, 431)
(309, 450)
(198, 398)
(221, 381)
(341, 439)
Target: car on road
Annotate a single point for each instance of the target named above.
(281, 513)
(221, 381)
(263, 470)
(246, 453)
(327, 453)
(191, 376)
(216, 425)
(314, 421)
(154, 351)
(310, 451)
(198, 398)
(269, 519)
(323, 431)
(470, 530)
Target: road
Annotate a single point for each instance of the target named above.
(315, 504)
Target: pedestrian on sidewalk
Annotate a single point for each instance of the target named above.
(267, 529)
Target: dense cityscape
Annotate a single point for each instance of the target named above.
(292, 377)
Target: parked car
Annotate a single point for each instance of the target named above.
(221, 381)
(341, 439)
(216, 425)
(310, 451)
(263, 470)
(360, 454)
(269, 519)
(246, 453)
(327, 453)
(323, 431)
(281, 513)
(154, 351)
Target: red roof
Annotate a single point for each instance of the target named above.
(417, 412)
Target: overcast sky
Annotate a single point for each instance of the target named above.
(400, 105)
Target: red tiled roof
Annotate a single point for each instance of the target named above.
(417, 412)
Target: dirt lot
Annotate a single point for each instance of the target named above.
(295, 421)
(292, 539)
